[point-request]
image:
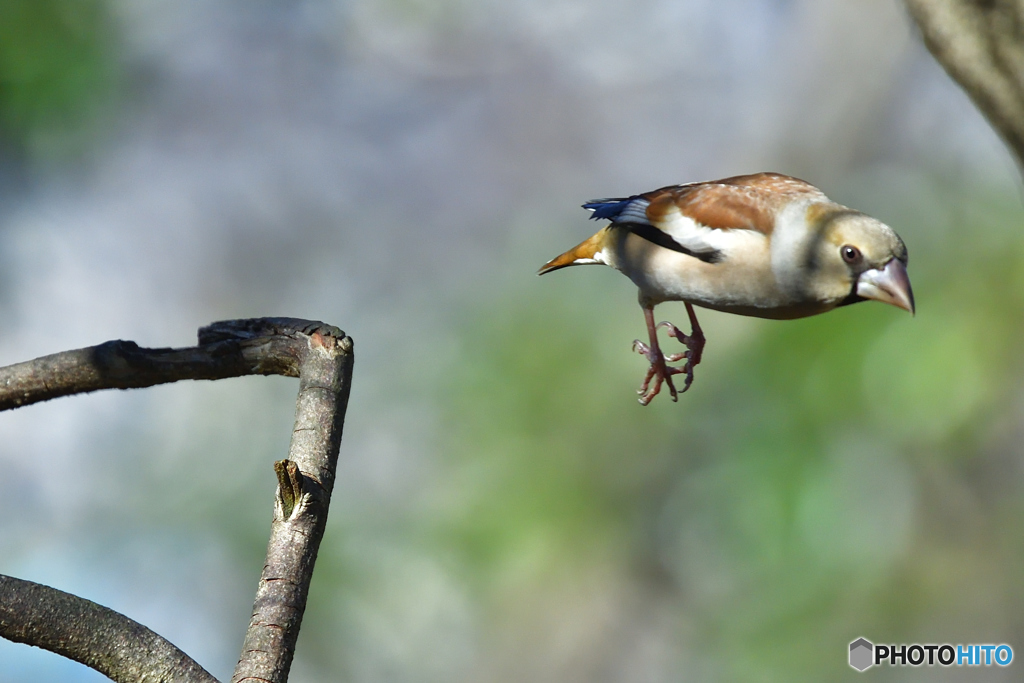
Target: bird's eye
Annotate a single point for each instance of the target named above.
(850, 254)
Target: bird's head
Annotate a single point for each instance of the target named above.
(855, 257)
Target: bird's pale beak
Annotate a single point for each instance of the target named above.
(889, 285)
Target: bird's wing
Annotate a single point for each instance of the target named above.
(701, 219)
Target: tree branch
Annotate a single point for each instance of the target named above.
(231, 348)
(980, 43)
(321, 356)
(305, 482)
(110, 642)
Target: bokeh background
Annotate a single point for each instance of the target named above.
(505, 511)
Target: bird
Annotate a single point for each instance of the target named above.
(766, 245)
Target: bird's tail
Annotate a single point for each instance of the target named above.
(590, 251)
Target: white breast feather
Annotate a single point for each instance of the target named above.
(789, 245)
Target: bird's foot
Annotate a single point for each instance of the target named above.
(694, 343)
(660, 372)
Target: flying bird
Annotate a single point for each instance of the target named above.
(764, 245)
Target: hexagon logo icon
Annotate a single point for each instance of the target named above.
(861, 651)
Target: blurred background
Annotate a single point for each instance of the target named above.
(505, 511)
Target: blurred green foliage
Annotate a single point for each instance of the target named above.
(58, 67)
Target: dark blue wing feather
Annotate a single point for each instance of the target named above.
(608, 208)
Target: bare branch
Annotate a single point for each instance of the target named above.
(305, 482)
(232, 348)
(113, 644)
(980, 43)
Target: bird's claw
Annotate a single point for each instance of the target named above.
(641, 348)
(694, 342)
(660, 372)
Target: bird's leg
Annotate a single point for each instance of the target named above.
(694, 343)
(659, 371)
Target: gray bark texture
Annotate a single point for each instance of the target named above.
(321, 356)
(980, 44)
(98, 637)
(305, 482)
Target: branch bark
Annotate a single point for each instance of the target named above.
(305, 482)
(232, 348)
(980, 44)
(113, 644)
(321, 356)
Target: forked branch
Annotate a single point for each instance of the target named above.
(321, 357)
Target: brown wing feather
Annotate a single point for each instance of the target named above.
(748, 202)
(772, 182)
